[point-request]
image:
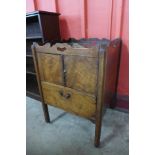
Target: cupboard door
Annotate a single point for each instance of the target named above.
(50, 68)
(81, 73)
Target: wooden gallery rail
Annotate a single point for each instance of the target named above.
(78, 76)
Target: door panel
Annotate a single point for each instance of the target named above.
(50, 68)
(69, 99)
(81, 73)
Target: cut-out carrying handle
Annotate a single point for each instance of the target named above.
(61, 49)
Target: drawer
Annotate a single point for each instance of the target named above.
(69, 99)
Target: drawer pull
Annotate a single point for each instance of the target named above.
(61, 49)
(66, 96)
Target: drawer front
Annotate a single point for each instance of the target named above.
(69, 99)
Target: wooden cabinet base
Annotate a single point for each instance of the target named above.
(78, 76)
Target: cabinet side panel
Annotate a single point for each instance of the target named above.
(111, 72)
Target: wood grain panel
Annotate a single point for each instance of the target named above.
(81, 73)
(78, 103)
(50, 68)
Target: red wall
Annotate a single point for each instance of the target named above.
(93, 18)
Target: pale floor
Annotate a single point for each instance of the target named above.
(71, 135)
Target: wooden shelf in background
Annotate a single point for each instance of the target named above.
(29, 72)
(33, 95)
(41, 26)
(32, 87)
(34, 37)
(29, 55)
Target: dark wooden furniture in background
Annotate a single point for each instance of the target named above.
(41, 27)
(78, 76)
